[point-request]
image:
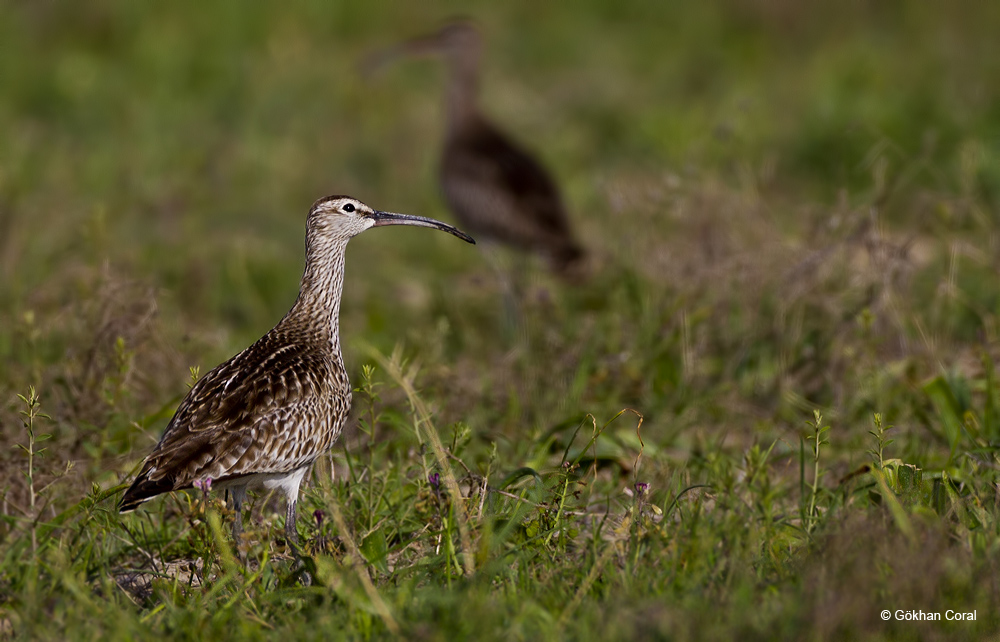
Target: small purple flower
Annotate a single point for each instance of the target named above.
(434, 479)
(318, 515)
(641, 488)
(204, 485)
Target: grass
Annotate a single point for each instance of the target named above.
(773, 411)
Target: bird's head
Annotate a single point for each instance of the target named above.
(458, 36)
(342, 217)
(459, 40)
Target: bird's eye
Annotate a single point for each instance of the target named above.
(348, 207)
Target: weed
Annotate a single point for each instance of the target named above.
(31, 414)
(881, 440)
(810, 514)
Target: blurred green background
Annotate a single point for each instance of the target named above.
(789, 206)
(180, 145)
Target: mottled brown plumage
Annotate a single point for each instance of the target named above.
(496, 189)
(262, 418)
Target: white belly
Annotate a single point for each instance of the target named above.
(287, 483)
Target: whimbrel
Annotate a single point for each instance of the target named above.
(262, 418)
(496, 189)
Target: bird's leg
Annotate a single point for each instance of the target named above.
(511, 312)
(239, 495)
(291, 533)
(237, 518)
(292, 536)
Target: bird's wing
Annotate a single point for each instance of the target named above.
(259, 412)
(495, 186)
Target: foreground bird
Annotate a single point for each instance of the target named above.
(496, 189)
(259, 420)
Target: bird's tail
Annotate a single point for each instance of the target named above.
(570, 263)
(143, 489)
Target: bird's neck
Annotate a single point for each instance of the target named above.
(316, 312)
(462, 93)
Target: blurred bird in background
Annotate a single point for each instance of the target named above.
(496, 189)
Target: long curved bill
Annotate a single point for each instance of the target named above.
(414, 47)
(391, 218)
